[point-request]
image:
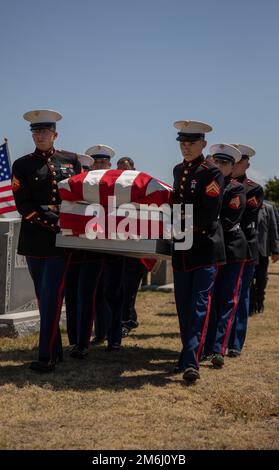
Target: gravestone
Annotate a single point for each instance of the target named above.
(163, 275)
(18, 307)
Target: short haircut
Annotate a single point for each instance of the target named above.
(128, 159)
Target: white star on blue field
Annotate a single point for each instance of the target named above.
(4, 164)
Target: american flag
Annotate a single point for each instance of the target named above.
(82, 194)
(7, 202)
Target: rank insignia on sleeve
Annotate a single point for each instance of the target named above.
(212, 189)
(234, 202)
(252, 202)
(15, 184)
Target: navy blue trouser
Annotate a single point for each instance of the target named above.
(225, 300)
(258, 286)
(193, 293)
(48, 275)
(134, 270)
(113, 298)
(101, 322)
(81, 287)
(239, 328)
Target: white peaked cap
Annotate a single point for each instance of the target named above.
(38, 116)
(225, 150)
(85, 160)
(192, 127)
(100, 149)
(245, 150)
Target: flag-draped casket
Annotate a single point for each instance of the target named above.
(85, 197)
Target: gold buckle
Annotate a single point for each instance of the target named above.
(54, 208)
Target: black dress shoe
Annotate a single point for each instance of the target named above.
(96, 341)
(125, 332)
(217, 361)
(178, 369)
(113, 347)
(42, 366)
(79, 352)
(133, 324)
(191, 375)
(74, 350)
(205, 358)
(130, 324)
(233, 353)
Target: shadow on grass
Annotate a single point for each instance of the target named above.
(166, 314)
(152, 335)
(100, 370)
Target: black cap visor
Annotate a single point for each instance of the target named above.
(100, 157)
(43, 125)
(183, 137)
(245, 157)
(223, 157)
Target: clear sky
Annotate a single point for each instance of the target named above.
(122, 71)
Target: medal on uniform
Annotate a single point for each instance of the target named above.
(193, 184)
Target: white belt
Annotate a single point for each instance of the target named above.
(235, 227)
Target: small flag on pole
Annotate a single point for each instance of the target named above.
(7, 202)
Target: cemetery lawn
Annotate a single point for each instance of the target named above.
(130, 400)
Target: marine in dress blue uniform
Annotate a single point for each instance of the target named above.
(109, 317)
(228, 281)
(34, 181)
(134, 271)
(200, 183)
(110, 295)
(254, 200)
(84, 282)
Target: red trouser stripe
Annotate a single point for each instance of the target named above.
(235, 297)
(59, 306)
(206, 320)
(94, 301)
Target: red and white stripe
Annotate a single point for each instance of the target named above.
(126, 185)
(83, 194)
(76, 218)
(7, 202)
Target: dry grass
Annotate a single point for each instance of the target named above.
(129, 400)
